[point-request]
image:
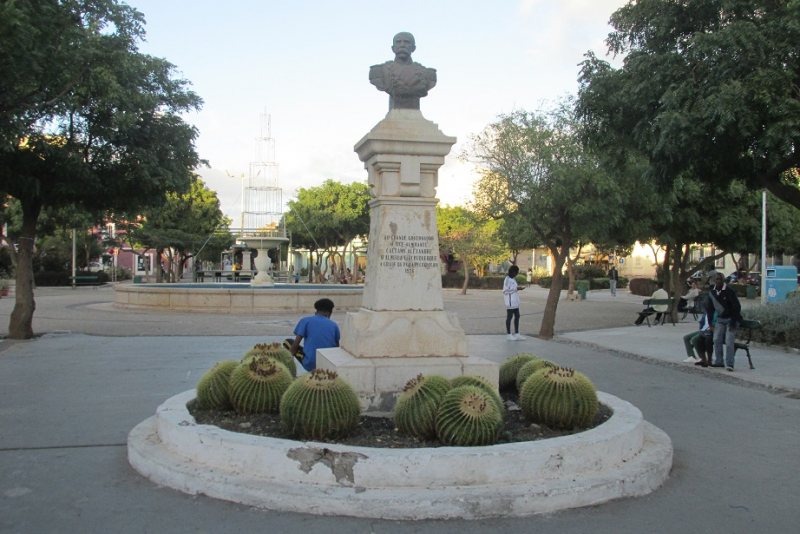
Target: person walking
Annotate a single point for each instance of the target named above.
(613, 278)
(511, 297)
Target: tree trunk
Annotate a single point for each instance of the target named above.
(547, 330)
(677, 287)
(466, 278)
(20, 325)
(665, 268)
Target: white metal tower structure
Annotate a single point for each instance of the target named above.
(262, 197)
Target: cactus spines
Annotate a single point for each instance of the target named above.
(273, 350)
(212, 389)
(468, 417)
(482, 383)
(559, 397)
(319, 405)
(510, 368)
(257, 385)
(529, 368)
(415, 411)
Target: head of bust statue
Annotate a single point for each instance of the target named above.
(403, 46)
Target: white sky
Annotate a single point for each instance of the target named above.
(306, 63)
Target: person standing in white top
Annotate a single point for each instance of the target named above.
(511, 297)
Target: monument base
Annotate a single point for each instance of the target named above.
(394, 334)
(379, 381)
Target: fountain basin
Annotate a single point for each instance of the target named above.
(235, 298)
(623, 457)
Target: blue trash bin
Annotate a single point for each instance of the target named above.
(780, 280)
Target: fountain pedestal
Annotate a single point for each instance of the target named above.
(402, 329)
(262, 261)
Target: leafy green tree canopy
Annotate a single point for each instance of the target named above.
(708, 88)
(85, 119)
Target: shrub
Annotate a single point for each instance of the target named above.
(780, 322)
(478, 382)
(529, 368)
(62, 278)
(600, 283)
(275, 351)
(643, 287)
(257, 386)
(537, 273)
(319, 405)
(559, 397)
(468, 417)
(416, 408)
(212, 389)
(456, 281)
(510, 368)
(521, 279)
(584, 272)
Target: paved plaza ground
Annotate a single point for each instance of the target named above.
(69, 398)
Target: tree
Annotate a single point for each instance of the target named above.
(515, 231)
(708, 88)
(329, 217)
(534, 167)
(181, 226)
(87, 120)
(473, 239)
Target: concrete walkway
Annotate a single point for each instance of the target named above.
(68, 401)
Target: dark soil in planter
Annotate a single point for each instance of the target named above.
(381, 432)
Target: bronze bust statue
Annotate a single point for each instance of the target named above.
(405, 81)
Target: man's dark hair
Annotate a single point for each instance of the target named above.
(660, 284)
(513, 271)
(324, 305)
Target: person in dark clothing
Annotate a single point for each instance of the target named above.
(613, 277)
(723, 300)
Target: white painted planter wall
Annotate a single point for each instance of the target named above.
(624, 457)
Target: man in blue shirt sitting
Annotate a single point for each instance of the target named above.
(318, 331)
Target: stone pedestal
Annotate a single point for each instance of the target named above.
(402, 329)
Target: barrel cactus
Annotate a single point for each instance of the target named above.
(468, 417)
(559, 397)
(477, 381)
(319, 405)
(529, 368)
(257, 385)
(510, 368)
(212, 389)
(415, 410)
(273, 350)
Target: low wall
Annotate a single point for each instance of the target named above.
(623, 457)
(222, 298)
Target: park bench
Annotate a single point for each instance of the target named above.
(86, 280)
(749, 325)
(693, 310)
(649, 303)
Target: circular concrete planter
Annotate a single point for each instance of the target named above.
(623, 457)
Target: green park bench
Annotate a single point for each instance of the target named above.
(87, 280)
(749, 325)
(649, 303)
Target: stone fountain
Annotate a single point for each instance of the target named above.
(262, 243)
